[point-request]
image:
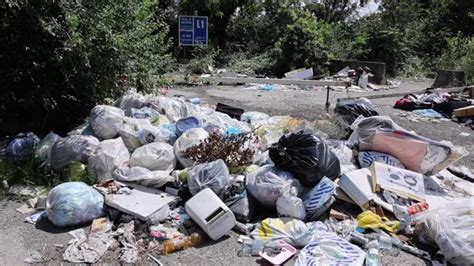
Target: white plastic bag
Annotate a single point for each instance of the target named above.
(74, 203)
(109, 155)
(44, 147)
(330, 249)
(452, 228)
(173, 108)
(268, 183)
(189, 138)
(129, 100)
(155, 156)
(142, 176)
(71, 149)
(213, 175)
(219, 122)
(253, 117)
(150, 134)
(293, 231)
(106, 121)
(291, 206)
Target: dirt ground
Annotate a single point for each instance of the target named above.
(18, 239)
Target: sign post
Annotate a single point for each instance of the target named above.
(193, 31)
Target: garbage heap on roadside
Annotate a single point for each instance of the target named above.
(437, 104)
(168, 174)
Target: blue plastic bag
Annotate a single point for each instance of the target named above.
(21, 146)
(74, 203)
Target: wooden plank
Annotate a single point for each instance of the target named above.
(233, 80)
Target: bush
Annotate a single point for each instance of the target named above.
(459, 55)
(60, 58)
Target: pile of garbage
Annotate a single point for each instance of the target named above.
(360, 80)
(168, 175)
(438, 105)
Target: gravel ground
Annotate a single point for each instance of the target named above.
(19, 239)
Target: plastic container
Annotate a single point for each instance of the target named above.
(373, 255)
(187, 123)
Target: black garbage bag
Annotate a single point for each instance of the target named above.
(349, 110)
(306, 156)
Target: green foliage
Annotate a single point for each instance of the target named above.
(60, 58)
(203, 60)
(27, 172)
(459, 55)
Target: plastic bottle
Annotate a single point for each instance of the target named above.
(358, 238)
(172, 245)
(373, 256)
(389, 244)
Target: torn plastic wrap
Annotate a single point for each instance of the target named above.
(213, 175)
(416, 153)
(306, 156)
(268, 183)
(73, 148)
(74, 203)
(106, 121)
(155, 156)
(109, 155)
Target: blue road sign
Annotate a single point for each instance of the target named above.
(193, 30)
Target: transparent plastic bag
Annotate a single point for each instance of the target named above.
(290, 206)
(43, 149)
(219, 122)
(253, 117)
(142, 176)
(155, 156)
(106, 121)
(213, 175)
(150, 134)
(451, 228)
(189, 138)
(268, 183)
(74, 203)
(129, 100)
(109, 155)
(73, 148)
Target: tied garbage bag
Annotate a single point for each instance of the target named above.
(239, 202)
(268, 183)
(84, 129)
(73, 148)
(150, 134)
(155, 156)
(350, 110)
(291, 206)
(314, 200)
(451, 228)
(109, 155)
(306, 156)
(44, 147)
(253, 117)
(366, 158)
(74, 203)
(129, 134)
(220, 122)
(189, 138)
(293, 231)
(144, 113)
(21, 146)
(213, 175)
(129, 100)
(106, 121)
(330, 249)
(173, 108)
(142, 176)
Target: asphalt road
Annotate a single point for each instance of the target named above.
(19, 239)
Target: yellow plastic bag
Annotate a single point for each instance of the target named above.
(368, 219)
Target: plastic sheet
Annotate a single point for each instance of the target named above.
(109, 155)
(213, 175)
(106, 121)
(306, 156)
(154, 156)
(191, 137)
(44, 147)
(451, 229)
(21, 146)
(74, 203)
(268, 183)
(71, 149)
(142, 176)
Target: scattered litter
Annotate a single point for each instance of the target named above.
(35, 257)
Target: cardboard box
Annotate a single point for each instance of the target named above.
(465, 111)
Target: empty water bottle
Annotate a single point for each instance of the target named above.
(373, 256)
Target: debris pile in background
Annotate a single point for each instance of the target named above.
(169, 175)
